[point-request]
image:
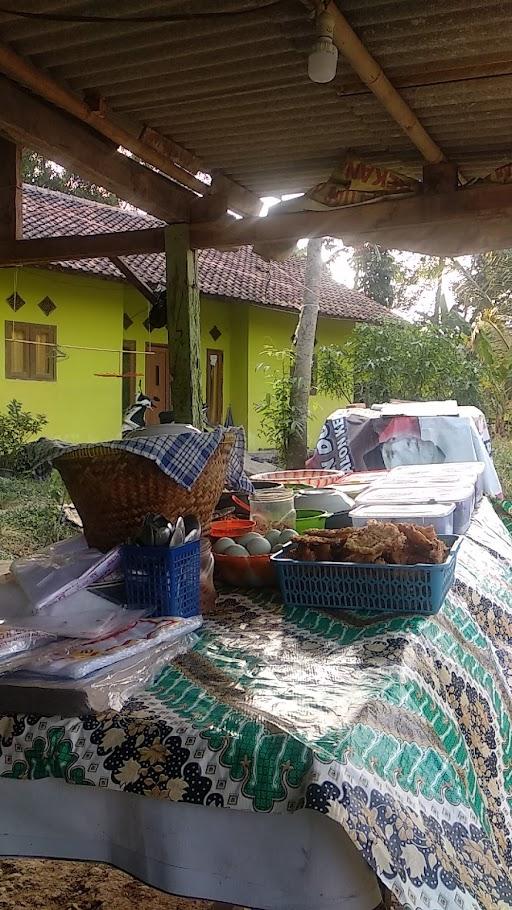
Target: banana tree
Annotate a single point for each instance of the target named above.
(491, 340)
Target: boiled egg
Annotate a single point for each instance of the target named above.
(221, 545)
(258, 546)
(236, 550)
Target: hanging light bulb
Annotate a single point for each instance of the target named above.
(323, 58)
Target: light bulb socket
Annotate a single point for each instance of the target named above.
(324, 26)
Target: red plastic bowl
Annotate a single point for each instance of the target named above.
(231, 527)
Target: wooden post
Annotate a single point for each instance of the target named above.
(183, 326)
(440, 178)
(11, 213)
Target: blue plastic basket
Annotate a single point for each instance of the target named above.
(164, 580)
(364, 586)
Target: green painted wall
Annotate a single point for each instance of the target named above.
(230, 319)
(79, 405)
(268, 327)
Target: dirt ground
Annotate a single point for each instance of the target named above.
(42, 884)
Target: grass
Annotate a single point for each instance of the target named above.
(502, 454)
(30, 514)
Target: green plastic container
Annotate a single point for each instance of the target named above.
(310, 518)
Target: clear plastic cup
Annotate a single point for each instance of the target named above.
(273, 509)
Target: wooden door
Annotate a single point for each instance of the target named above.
(214, 383)
(157, 380)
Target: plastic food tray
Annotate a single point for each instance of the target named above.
(364, 586)
(438, 515)
(165, 581)
(463, 495)
(468, 471)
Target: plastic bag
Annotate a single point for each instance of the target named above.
(62, 569)
(75, 659)
(82, 615)
(106, 690)
(17, 646)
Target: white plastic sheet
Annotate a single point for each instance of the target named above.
(75, 659)
(63, 569)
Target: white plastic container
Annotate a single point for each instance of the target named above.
(440, 516)
(365, 477)
(471, 471)
(467, 468)
(462, 494)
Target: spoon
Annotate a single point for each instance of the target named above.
(178, 535)
(192, 528)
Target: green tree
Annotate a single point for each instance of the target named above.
(414, 362)
(491, 339)
(376, 273)
(485, 283)
(41, 172)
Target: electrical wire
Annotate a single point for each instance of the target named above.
(170, 17)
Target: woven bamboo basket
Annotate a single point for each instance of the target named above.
(113, 491)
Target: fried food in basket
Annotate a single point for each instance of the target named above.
(379, 542)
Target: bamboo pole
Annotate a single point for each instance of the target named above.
(372, 74)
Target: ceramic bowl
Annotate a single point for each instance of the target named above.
(324, 500)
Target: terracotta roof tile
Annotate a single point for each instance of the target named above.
(240, 274)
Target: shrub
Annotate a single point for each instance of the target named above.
(16, 429)
(31, 514)
(502, 454)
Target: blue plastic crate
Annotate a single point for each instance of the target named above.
(164, 580)
(364, 586)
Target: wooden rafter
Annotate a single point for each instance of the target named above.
(451, 223)
(150, 147)
(238, 197)
(134, 279)
(31, 122)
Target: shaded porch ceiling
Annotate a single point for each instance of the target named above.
(233, 89)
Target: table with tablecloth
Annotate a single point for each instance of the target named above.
(399, 729)
(364, 439)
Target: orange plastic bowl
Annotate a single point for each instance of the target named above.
(246, 571)
(231, 527)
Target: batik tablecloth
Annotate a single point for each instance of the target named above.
(398, 729)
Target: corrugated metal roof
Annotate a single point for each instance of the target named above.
(240, 275)
(235, 90)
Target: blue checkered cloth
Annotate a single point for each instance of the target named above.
(182, 457)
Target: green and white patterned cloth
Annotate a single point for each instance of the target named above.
(398, 729)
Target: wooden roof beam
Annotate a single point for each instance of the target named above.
(44, 250)
(452, 223)
(158, 151)
(372, 74)
(30, 122)
(395, 223)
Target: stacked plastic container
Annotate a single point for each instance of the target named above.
(440, 495)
